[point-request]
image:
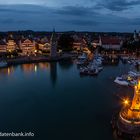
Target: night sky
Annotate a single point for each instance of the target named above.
(64, 15)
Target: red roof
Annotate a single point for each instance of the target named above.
(110, 40)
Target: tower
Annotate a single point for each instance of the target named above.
(129, 117)
(53, 43)
(135, 35)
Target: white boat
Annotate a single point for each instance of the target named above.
(125, 58)
(80, 62)
(121, 81)
(100, 68)
(134, 73)
(92, 70)
(82, 59)
(3, 64)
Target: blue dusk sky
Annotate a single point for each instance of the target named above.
(65, 15)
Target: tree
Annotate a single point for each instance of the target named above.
(65, 42)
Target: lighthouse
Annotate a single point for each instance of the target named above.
(128, 122)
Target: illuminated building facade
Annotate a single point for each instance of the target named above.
(3, 46)
(44, 46)
(27, 46)
(111, 43)
(11, 45)
(96, 42)
(79, 42)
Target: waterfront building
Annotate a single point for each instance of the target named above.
(27, 46)
(111, 43)
(79, 44)
(96, 42)
(129, 117)
(53, 43)
(44, 46)
(11, 45)
(3, 46)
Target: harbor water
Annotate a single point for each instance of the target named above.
(54, 102)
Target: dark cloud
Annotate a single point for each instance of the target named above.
(13, 21)
(29, 9)
(75, 11)
(136, 22)
(81, 22)
(21, 17)
(118, 5)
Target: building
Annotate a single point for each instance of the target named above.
(96, 42)
(11, 45)
(79, 44)
(53, 43)
(3, 46)
(44, 44)
(111, 43)
(27, 46)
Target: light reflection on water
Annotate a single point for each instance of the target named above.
(55, 102)
(25, 68)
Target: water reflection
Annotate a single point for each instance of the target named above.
(25, 68)
(32, 98)
(29, 68)
(53, 72)
(7, 71)
(66, 64)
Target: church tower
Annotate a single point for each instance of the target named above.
(135, 35)
(53, 43)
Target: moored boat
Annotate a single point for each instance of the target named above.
(3, 64)
(121, 81)
(82, 59)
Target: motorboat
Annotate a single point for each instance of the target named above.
(121, 81)
(134, 73)
(93, 72)
(89, 71)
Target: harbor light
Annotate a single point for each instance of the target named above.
(128, 121)
(126, 102)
